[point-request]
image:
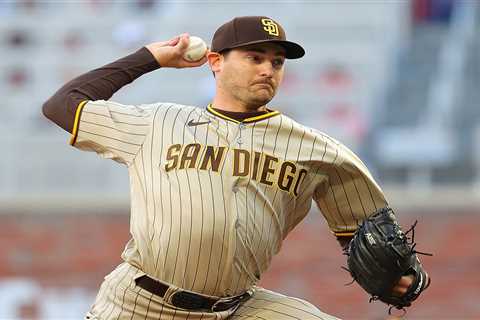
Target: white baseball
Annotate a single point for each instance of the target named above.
(196, 49)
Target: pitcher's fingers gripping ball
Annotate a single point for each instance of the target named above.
(380, 254)
(196, 50)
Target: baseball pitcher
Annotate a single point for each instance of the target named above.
(214, 190)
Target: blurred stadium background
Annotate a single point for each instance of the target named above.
(397, 81)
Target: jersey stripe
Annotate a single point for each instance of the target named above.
(78, 112)
(344, 234)
(225, 212)
(247, 120)
(261, 117)
(160, 191)
(197, 265)
(113, 128)
(218, 114)
(109, 137)
(171, 214)
(135, 118)
(187, 178)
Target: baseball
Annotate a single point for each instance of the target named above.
(196, 49)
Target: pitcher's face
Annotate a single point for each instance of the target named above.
(252, 74)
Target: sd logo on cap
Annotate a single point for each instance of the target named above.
(242, 31)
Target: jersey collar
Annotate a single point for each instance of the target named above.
(270, 114)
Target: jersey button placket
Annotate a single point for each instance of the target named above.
(241, 127)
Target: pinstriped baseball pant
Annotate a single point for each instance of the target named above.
(119, 298)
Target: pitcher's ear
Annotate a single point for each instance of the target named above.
(215, 61)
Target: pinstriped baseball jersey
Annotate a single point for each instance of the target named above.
(212, 198)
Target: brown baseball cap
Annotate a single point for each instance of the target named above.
(242, 31)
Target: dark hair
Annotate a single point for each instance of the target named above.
(225, 54)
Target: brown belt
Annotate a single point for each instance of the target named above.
(189, 300)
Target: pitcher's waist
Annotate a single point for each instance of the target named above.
(189, 300)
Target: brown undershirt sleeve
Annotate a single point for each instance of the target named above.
(98, 84)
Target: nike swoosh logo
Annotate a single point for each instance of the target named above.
(192, 123)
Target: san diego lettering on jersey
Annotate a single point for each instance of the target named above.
(264, 168)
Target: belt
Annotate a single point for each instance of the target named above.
(189, 300)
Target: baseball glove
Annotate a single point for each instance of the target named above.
(380, 254)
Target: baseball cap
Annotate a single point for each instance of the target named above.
(242, 31)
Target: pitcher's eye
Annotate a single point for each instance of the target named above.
(278, 63)
(254, 58)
